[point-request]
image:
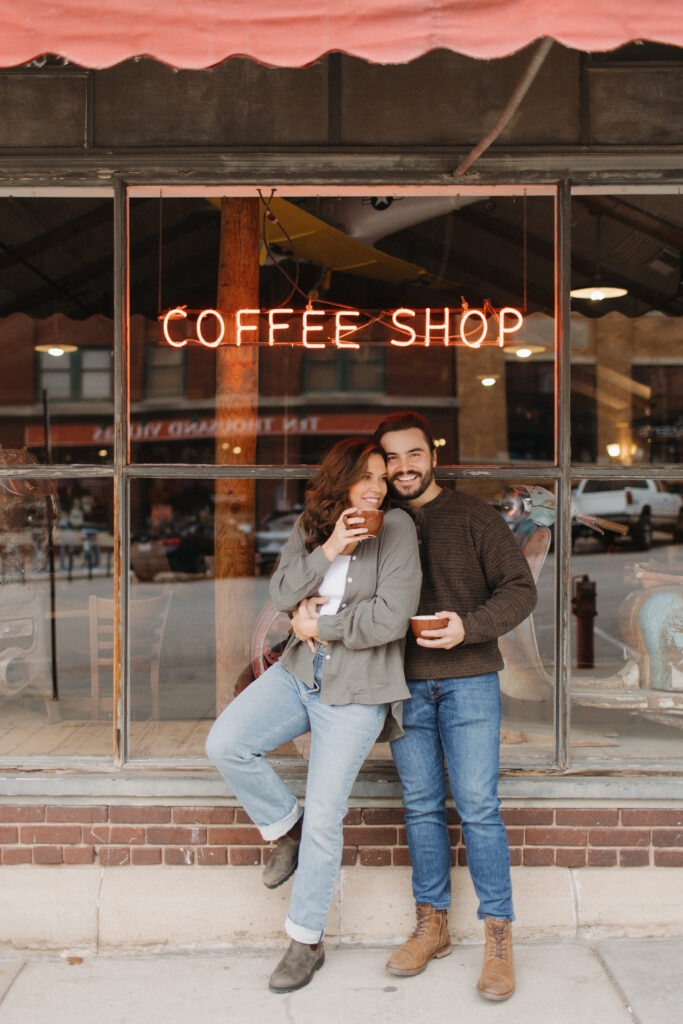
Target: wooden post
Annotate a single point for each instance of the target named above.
(236, 412)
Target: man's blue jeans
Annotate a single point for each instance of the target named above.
(458, 718)
(276, 708)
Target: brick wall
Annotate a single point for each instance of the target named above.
(131, 834)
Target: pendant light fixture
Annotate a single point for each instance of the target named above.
(598, 289)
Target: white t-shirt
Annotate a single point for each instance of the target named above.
(332, 586)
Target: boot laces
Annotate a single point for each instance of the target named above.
(499, 948)
(422, 926)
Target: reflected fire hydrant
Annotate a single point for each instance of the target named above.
(584, 607)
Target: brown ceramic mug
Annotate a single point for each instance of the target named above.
(421, 622)
(372, 521)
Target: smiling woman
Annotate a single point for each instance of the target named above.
(340, 676)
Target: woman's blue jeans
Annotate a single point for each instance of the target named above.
(276, 708)
(458, 718)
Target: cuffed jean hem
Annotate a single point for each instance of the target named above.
(299, 934)
(272, 832)
(482, 915)
(435, 906)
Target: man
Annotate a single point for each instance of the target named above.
(475, 575)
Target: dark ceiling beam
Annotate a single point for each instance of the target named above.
(103, 267)
(53, 286)
(510, 233)
(664, 231)
(56, 236)
(411, 244)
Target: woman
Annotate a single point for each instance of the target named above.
(340, 676)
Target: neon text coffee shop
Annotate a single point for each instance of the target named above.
(227, 243)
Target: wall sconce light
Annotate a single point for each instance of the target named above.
(488, 380)
(614, 450)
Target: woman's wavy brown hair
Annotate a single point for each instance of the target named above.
(327, 492)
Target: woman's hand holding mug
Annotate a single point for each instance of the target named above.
(346, 531)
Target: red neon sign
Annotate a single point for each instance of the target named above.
(345, 328)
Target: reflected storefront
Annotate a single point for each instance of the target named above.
(154, 452)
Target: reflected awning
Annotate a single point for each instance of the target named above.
(291, 33)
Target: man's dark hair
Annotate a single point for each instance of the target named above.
(405, 420)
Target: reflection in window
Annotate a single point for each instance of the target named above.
(658, 420)
(530, 419)
(351, 370)
(202, 553)
(289, 402)
(84, 375)
(165, 372)
(56, 547)
(627, 675)
(631, 341)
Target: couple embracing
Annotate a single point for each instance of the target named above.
(351, 676)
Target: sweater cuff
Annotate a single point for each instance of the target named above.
(477, 627)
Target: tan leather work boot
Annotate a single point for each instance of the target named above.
(430, 939)
(497, 980)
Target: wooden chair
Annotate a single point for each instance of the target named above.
(148, 617)
(24, 657)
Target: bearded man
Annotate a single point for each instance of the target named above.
(474, 575)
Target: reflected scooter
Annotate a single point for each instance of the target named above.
(651, 622)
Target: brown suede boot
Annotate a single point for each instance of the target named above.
(430, 939)
(497, 980)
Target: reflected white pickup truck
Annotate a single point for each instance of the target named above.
(642, 505)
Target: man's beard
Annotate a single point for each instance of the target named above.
(413, 488)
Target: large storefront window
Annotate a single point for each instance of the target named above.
(627, 414)
(627, 644)
(57, 329)
(366, 304)
(199, 635)
(626, 352)
(56, 618)
(261, 331)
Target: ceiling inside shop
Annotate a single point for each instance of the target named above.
(56, 255)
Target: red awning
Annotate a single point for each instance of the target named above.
(291, 33)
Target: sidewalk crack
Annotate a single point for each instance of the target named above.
(615, 984)
(9, 988)
(97, 913)
(576, 902)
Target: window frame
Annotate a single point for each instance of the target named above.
(516, 781)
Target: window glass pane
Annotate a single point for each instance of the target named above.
(627, 362)
(627, 673)
(96, 384)
(201, 556)
(55, 375)
(56, 324)
(365, 369)
(165, 372)
(56, 547)
(450, 301)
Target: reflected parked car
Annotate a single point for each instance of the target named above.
(272, 535)
(183, 551)
(642, 505)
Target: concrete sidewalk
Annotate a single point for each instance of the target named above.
(558, 982)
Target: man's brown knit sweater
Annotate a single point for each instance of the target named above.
(472, 565)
